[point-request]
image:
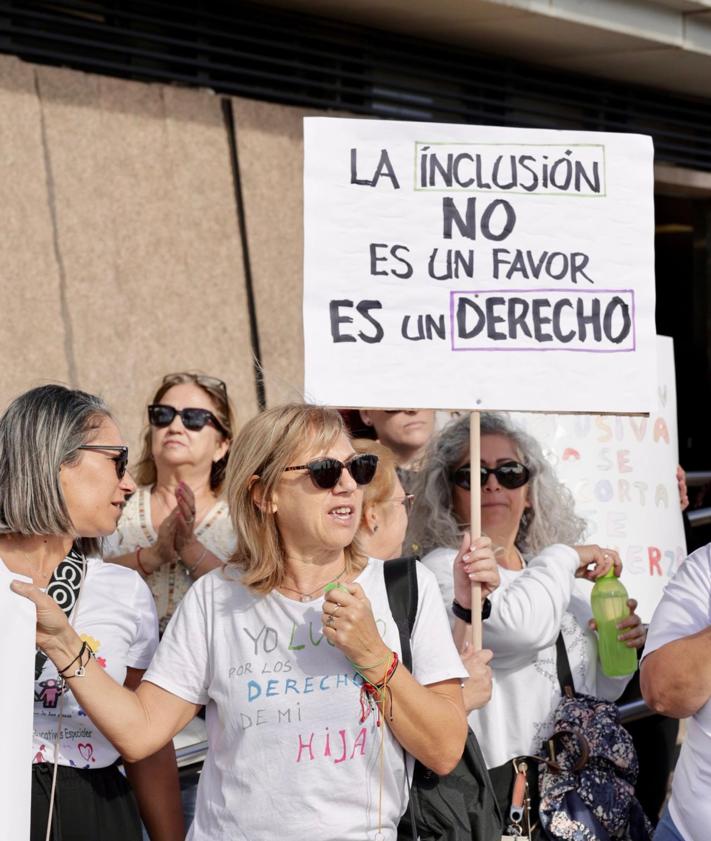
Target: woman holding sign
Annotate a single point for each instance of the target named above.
(529, 516)
(294, 652)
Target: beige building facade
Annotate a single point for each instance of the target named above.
(123, 242)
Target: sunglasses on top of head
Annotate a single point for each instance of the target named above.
(201, 379)
(510, 475)
(161, 415)
(120, 461)
(326, 472)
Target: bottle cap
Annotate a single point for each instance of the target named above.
(334, 585)
(609, 574)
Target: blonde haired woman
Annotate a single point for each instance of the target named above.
(176, 527)
(295, 653)
(386, 506)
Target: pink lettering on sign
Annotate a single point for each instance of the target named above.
(654, 556)
(660, 431)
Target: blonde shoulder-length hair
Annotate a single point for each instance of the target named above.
(263, 449)
(382, 488)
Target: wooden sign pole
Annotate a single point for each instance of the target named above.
(475, 519)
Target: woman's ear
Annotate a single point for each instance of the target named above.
(370, 518)
(256, 491)
(527, 501)
(365, 417)
(221, 450)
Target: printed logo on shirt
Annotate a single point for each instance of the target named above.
(50, 691)
(95, 646)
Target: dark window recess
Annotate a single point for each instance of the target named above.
(263, 53)
(682, 268)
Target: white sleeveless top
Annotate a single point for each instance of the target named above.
(170, 582)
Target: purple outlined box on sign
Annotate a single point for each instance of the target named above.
(580, 320)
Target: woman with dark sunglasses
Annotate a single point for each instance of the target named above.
(63, 485)
(295, 653)
(176, 528)
(529, 516)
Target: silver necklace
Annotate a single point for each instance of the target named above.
(307, 597)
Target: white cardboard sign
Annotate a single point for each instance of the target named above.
(475, 267)
(17, 655)
(622, 472)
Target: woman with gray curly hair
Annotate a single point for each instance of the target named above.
(549, 518)
(529, 516)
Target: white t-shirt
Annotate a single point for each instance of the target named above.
(116, 615)
(685, 609)
(288, 754)
(528, 611)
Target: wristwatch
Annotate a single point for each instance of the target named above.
(465, 614)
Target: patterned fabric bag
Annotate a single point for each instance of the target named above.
(587, 782)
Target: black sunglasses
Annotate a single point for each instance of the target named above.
(120, 461)
(160, 415)
(510, 474)
(326, 472)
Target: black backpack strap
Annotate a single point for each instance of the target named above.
(401, 586)
(565, 675)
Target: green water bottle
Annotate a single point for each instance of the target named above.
(609, 606)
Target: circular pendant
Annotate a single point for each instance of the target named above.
(306, 597)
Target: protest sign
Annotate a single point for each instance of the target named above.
(621, 471)
(475, 267)
(17, 655)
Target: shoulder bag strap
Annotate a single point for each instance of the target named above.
(64, 589)
(401, 586)
(565, 675)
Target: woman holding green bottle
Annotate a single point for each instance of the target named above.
(529, 516)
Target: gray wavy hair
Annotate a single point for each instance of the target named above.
(551, 517)
(40, 431)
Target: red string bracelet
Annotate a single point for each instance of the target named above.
(378, 693)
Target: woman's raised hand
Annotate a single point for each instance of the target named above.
(349, 624)
(52, 622)
(596, 561)
(184, 532)
(475, 563)
(163, 551)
